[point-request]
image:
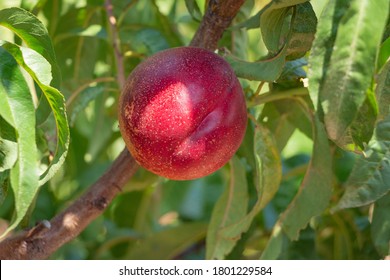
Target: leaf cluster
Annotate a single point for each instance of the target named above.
(310, 180)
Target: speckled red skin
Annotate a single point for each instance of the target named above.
(182, 113)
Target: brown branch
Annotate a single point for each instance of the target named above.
(115, 43)
(45, 238)
(218, 16)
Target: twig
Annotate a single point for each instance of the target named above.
(86, 85)
(115, 43)
(44, 239)
(274, 96)
(217, 18)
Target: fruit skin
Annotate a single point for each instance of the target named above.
(182, 113)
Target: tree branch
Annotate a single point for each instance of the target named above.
(45, 238)
(115, 43)
(217, 18)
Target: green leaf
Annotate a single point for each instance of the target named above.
(364, 123)
(384, 54)
(293, 71)
(251, 23)
(380, 225)
(268, 177)
(322, 49)
(34, 34)
(276, 37)
(8, 145)
(94, 30)
(16, 107)
(264, 70)
(83, 99)
(295, 115)
(352, 63)
(275, 20)
(4, 181)
(304, 25)
(316, 188)
(230, 209)
(279, 4)
(194, 10)
(274, 28)
(268, 167)
(8, 154)
(383, 92)
(254, 21)
(39, 70)
(169, 243)
(370, 175)
(278, 123)
(275, 244)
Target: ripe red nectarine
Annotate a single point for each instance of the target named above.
(182, 113)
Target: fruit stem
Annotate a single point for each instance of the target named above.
(217, 18)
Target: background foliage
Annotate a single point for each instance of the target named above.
(310, 181)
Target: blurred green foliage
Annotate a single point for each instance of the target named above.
(290, 177)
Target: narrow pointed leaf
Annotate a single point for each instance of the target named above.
(275, 244)
(303, 28)
(316, 188)
(167, 244)
(322, 49)
(268, 177)
(17, 108)
(369, 178)
(33, 33)
(264, 70)
(380, 227)
(274, 23)
(39, 70)
(229, 209)
(254, 21)
(383, 92)
(363, 126)
(352, 64)
(8, 154)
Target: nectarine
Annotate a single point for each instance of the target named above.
(182, 113)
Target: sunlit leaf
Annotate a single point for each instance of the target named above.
(8, 154)
(15, 97)
(39, 70)
(34, 34)
(384, 53)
